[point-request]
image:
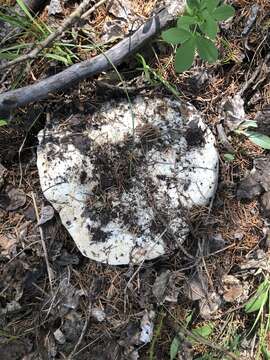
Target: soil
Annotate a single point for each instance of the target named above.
(231, 231)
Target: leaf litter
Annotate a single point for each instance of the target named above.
(47, 214)
(12, 199)
(234, 228)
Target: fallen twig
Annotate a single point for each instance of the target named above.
(86, 323)
(144, 258)
(255, 74)
(113, 57)
(90, 11)
(49, 271)
(74, 352)
(75, 16)
(223, 139)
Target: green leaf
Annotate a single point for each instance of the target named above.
(259, 139)
(11, 52)
(25, 9)
(265, 352)
(229, 157)
(210, 28)
(259, 299)
(223, 12)
(3, 122)
(185, 55)
(18, 21)
(28, 14)
(184, 22)
(8, 56)
(15, 47)
(207, 49)
(174, 348)
(211, 5)
(176, 36)
(58, 58)
(193, 4)
(248, 123)
(146, 68)
(188, 11)
(188, 318)
(204, 331)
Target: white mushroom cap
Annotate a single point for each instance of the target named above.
(124, 179)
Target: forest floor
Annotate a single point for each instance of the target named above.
(199, 305)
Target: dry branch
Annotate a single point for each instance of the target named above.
(59, 31)
(41, 89)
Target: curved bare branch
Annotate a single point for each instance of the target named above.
(15, 98)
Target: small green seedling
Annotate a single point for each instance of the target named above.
(196, 31)
(204, 331)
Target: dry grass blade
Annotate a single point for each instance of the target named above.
(73, 74)
(143, 261)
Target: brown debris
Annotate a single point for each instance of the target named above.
(39, 324)
(232, 288)
(12, 199)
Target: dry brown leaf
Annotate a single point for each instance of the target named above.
(208, 306)
(196, 288)
(3, 172)
(232, 288)
(7, 244)
(12, 199)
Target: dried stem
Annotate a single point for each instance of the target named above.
(43, 242)
(73, 74)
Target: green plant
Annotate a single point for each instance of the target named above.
(246, 128)
(260, 304)
(203, 331)
(229, 157)
(196, 31)
(37, 31)
(3, 122)
(153, 77)
(175, 347)
(156, 336)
